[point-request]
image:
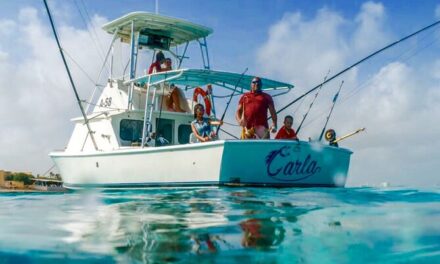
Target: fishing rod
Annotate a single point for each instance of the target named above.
(311, 104)
(335, 98)
(230, 99)
(86, 120)
(348, 135)
(359, 62)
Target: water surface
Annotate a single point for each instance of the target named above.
(222, 225)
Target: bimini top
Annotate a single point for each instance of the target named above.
(176, 30)
(198, 77)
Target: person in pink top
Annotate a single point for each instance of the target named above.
(252, 111)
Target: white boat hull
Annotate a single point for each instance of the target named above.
(232, 162)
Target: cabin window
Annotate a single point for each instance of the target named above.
(164, 131)
(183, 134)
(131, 130)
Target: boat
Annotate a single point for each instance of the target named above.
(130, 139)
(48, 185)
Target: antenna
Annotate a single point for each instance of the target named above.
(157, 7)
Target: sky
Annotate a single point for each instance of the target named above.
(395, 95)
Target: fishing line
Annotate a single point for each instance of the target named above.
(357, 63)
(359, 88)
(311, 104)
(230, 99)
(231, 124)
(100, 52)
(81, 69)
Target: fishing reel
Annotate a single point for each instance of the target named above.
(330, 135)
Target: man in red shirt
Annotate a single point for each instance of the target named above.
(287, 132)
(252, 111)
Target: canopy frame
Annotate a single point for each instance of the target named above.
(200, 77)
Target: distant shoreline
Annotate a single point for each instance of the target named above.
(17, 190)
(7, 190)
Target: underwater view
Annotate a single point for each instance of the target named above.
(222, 225)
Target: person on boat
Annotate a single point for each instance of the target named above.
(173, 99)
(252, 112)
(167, 65)
(201, 126)
(156, 66)
(287, 132)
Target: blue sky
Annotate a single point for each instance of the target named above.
(395, 95)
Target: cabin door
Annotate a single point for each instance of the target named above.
(164, 132)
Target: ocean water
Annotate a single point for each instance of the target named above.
(222, 225)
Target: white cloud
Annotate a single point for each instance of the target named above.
(7, 27)
(283, 55)
(370, 32)
(437, 11)
(398, 103)
(37, 101)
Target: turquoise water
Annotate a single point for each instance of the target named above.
(222, 225)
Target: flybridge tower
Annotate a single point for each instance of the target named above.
(158, 32)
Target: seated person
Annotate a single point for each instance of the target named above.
(167, 65)
(201, 126)
(287, 132)
(156, 66)
(173, 99)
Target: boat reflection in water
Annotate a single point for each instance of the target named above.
(179, 225)
(221, 225)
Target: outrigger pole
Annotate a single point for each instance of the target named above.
(86, 120)
(359, 62)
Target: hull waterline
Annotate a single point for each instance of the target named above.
(232, 162)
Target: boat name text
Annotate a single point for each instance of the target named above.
(281, 166)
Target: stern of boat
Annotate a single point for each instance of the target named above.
(283, 163)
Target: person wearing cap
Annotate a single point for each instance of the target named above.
(252, 111)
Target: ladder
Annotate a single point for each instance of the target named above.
(148, 113)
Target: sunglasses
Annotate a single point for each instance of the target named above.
(257, 82)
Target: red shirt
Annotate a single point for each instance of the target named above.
(285, 133)
(255, 106)
(154, 66)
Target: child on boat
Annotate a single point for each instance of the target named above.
(201, 126)
(287, 132)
